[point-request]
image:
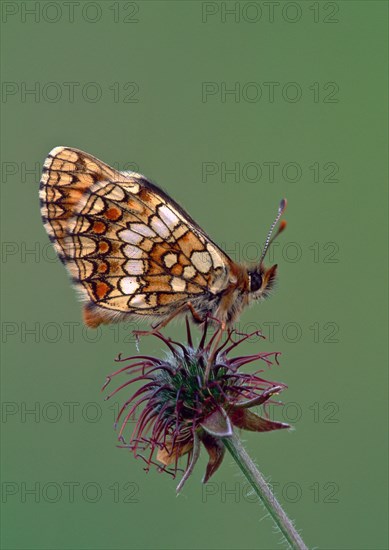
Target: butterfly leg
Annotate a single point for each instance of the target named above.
(156, 328)
(215, 344)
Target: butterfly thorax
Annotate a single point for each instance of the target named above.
(246, 284)
(235, 297)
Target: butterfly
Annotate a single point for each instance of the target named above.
(131, 250)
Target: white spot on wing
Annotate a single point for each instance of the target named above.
(178, 285)
(133, 187)
(134, 267)
(116, 194)
(170, 260)
(159, 227)
(189, 272)
(143, 229)
(216, 257)
(139, 301)
(168, 216)
(133, 251)
(128, 236)
(129, 285)
(202, 261)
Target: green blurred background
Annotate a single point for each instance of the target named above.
(229, 106)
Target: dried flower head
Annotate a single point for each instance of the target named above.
(178, 407)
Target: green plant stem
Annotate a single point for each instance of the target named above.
(262, 489)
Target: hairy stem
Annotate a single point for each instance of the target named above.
(262, 489)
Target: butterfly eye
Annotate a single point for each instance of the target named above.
(255, 281)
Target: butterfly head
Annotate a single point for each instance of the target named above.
(262, 279)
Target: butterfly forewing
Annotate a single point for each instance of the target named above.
(130, 248)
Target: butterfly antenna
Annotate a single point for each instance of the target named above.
(269, 238)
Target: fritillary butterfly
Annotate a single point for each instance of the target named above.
(133, 251)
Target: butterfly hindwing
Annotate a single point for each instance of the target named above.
(67, 175)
